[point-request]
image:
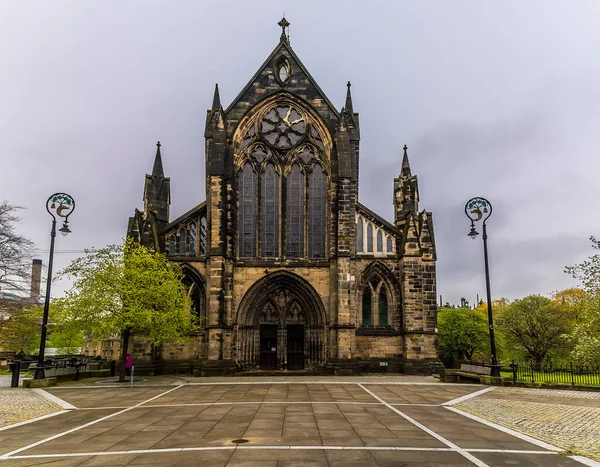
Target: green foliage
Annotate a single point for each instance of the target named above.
(462, 335)
(535, 326)
(20, 332)
(125, 288)
(586, 333)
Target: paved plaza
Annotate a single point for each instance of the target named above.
(326, 421)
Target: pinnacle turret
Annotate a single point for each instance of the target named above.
(157, 169)
(405, 163)
(216, 99)
(348, 105)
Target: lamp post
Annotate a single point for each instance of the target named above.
(61, 205)
(480, 209)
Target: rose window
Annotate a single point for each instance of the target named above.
(283, 127)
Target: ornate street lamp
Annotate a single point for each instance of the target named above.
(61, 205)
(480, 209)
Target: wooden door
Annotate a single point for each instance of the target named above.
(268, 347)
(295, 347)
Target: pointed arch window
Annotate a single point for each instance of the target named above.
(317, 202)
(193, 238)
(203, 235)
(366, 307)
(383, 307)
(182, 249)
(379, 242)
(359, 235)
(269, 238)
(172, 245)
(247, 211)
(389, 247)
(370, 238)
(295, 213)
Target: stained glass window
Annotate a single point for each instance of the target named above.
(370, 238)
(295, 213)
(269, 238)
(389, 245)
(383, 307)
(366, 307)
(193, 238)
(379, 242)
(182, 249)
(317, 205)
(172, 245)
(203, 235)
(359, 235)
(247, 211)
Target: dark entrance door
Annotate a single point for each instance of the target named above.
(268, 347)
(295, 347)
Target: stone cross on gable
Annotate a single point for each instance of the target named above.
(284, 23)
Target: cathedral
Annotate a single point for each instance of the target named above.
(286, 268)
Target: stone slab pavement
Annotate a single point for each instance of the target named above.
(307, 421)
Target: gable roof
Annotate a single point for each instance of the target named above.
(283, 44)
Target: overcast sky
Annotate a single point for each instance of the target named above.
(493, 99)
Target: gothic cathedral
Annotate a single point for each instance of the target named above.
(287, 270)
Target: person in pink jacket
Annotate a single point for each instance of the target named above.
(128, 365)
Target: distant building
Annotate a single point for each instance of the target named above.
(288, 268)
(108, 349)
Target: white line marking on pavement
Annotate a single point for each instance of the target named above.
(514, 433)
(14, 425)
(45, 440)
(585, 461)
(440, 438)
(274, 448)
(52, 398)
(469, 396)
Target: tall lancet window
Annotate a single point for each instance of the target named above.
(193, 238)
(247, 211)
(370, 238)
(295, 213)
(182, 245)
(317, 206)
(203, 235)
(359, 235)
(269, 205)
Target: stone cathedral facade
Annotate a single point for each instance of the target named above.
(285, 266)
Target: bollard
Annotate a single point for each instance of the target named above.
(113, 368)
(16, 370)
(131, 383)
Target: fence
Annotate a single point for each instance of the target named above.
(568, 374)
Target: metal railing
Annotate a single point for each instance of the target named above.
(566, 374)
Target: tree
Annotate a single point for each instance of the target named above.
(574, 301)
(125, 289)
(15, 252)
(20, 328)
(462, 334)
(536, 325)
(586, 333)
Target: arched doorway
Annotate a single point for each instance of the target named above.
(281, 325)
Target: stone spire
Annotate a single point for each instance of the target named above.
(348, 105)
(405, 163)
(216, 99)
(157, 169)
